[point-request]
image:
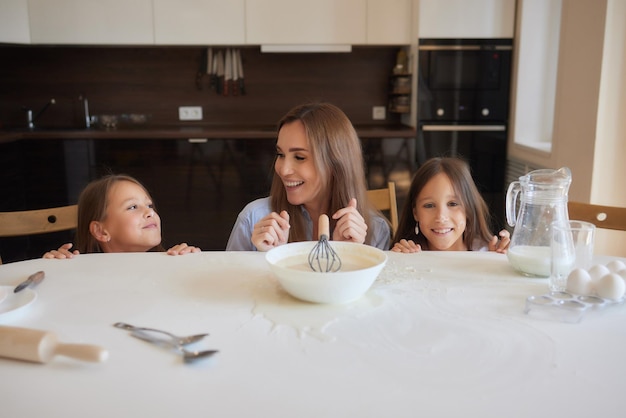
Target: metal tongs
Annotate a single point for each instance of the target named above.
(188, 355)
(150, 331)
(168, 340)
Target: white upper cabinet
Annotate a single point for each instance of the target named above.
(14, 26)
(306, 22)
(94, 22)
(466, 18)
(199, 22)
(389, 22)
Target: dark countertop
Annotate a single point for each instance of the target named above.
(186, 132)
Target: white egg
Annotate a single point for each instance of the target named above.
(579, 282)
(615, 266)
(622, 273)
(597, 271)
(610, 286)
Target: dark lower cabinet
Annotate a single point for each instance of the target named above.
(198, 188)
(33, 176)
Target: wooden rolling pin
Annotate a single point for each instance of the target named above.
(41, 346)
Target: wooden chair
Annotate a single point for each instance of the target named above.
(385, 201)
(39, 221)
(607, 217)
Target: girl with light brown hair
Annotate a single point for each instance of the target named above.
(117, 214)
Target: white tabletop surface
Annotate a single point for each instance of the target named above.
(438, 334)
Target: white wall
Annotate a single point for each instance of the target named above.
(589, 132)
(609, 168)
(536, 50)
(578, 91)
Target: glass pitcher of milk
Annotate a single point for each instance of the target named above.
(542, 200)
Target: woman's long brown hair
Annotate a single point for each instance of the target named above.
(338, 157)
(476, 210)
(92, 206)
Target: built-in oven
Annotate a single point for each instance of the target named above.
(463, 105)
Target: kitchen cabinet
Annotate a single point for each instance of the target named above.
(466, 18)
(199, 22)
(14, 27)
(388, 22)
(306, 22)
(115, 22)
(206, 22)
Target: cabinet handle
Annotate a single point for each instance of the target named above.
(467, 128)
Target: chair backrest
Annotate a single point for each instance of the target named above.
(607, 217)
(385, 200)
(39, 221)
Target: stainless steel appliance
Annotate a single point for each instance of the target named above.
(463, 106)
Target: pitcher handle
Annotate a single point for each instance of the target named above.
(511, 202)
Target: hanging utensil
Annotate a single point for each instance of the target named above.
(322, 257)
(242, 87)
(202, 68)
(209, 65)
(235, 88)
(219, 86)
(228, 72)
(213, 75)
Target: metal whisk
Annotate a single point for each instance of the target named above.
(322, 257)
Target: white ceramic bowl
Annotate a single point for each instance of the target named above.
(361, 264)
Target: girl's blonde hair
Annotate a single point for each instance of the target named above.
(476, 210)
(92, 206)
(338, 158)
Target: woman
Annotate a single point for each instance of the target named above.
(319, 169)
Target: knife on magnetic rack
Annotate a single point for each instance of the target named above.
(202, 68)
(209, 67)
(228, 72)
(219, 78)
(242, 87)
(233, 57)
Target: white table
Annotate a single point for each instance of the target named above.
(439, 334)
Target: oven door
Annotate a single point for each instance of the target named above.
(482, 146)
(464, 80)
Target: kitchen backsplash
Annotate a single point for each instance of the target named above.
(155, 81)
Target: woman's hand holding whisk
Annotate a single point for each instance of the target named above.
(271, 231)
(350, 224)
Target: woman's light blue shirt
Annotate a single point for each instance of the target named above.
(254, 211)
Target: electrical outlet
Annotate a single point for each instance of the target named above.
(379, 113)
(190, 113)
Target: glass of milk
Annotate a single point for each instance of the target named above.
(571, 247)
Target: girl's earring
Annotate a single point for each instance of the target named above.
(417, 228)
